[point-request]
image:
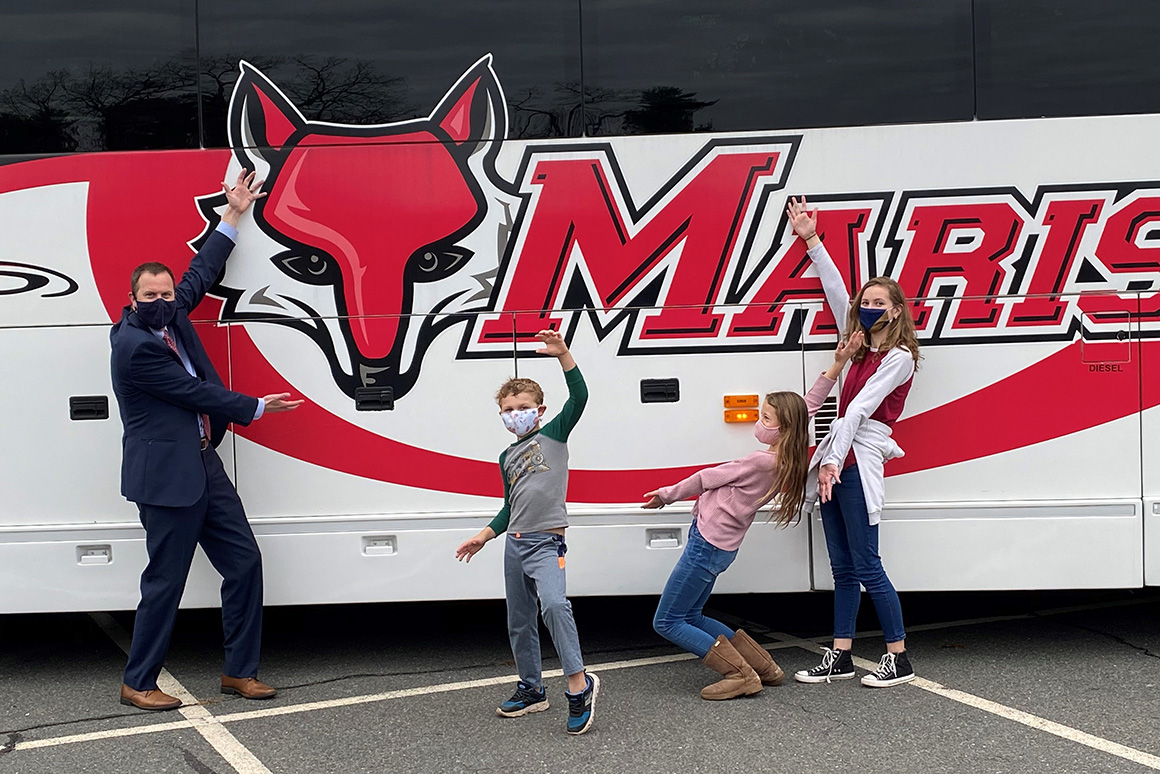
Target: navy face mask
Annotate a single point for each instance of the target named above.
(869, 316)
(157, 314)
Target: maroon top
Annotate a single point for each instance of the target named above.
(891, 407)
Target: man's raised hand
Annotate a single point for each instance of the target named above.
(244, 193)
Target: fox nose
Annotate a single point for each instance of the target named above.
(374, 335)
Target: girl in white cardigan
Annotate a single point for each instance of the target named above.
(850, 459)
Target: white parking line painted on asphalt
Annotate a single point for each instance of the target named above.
(56, 741)
(1042, 724)
(202, 720)
(1001, 710)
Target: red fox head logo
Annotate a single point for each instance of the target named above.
(359, 218)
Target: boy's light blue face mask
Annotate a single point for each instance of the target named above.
(869, 316)
(522, 421)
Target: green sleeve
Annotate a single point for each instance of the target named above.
(561, 425)
(499, 524)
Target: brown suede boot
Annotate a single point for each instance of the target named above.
(740, 679)
(758, 658)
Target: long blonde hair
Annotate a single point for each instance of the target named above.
(899, 332)
(793, 457)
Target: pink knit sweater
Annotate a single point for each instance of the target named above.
(730, 494)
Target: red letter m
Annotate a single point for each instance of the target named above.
(681, 242)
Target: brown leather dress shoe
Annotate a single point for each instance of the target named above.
(153, 700)
(247, 687)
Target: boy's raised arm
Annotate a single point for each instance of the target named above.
(561, 425)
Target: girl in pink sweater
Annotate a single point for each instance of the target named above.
(729, 496)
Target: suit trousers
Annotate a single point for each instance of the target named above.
(218, 522)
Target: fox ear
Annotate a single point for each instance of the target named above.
(473, 112)
(261, 118)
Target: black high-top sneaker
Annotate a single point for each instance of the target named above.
(836, 665)
(893, 669)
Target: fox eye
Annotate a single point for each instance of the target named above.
(436, 262)
(313, 267)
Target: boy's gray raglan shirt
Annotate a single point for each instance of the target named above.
(535, 469)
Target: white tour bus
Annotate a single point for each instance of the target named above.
(429, 210)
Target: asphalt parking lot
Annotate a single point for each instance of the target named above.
(1009, 682)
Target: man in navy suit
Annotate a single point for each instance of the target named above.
(175, 411)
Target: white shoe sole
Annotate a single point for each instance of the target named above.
(537, 707)
(801, 678)
(870, 682)
(592, 707)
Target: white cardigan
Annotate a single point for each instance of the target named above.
(872, 446)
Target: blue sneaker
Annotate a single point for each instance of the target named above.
(582, 706)
(526, 699)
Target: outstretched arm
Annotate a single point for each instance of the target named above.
(211, 258)
(696, 484)
(805, 225)
(155, 372)
(472, 546)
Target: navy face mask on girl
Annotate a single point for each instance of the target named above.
(869, 316)
(157, 314)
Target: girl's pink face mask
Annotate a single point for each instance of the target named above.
(765, 434)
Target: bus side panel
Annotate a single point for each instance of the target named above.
(66, 471)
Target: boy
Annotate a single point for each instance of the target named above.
(535, 481)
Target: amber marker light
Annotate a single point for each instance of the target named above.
(740, 401)
(741, 415)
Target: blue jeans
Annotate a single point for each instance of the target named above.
(534, 578)
(853, 547)
(678, 618)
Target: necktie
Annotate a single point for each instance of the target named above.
(169, 342)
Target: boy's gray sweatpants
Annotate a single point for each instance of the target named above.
(533, 571)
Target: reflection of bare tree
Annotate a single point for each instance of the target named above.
(599, 111)
(334, 89)
(533, 115)
(216, 83)
(102, 108)
(352, 92)
(31, 118)
(130, 108)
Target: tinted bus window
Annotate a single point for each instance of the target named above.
(366, 62)
(678, 66)
(89, 75)
(1066, 58)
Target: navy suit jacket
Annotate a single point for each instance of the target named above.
(159, 401)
